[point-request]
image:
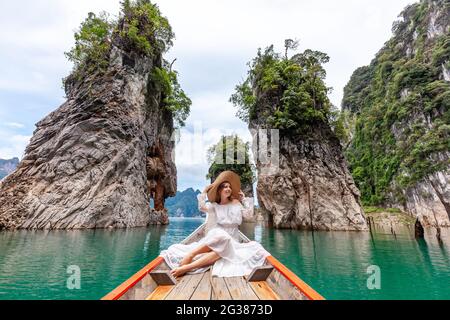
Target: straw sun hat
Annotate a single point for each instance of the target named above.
(225, 176)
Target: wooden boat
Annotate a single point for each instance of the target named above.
(274, 281)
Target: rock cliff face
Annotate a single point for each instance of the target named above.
(400, 149)
(429, 200)
(96, 160)
(311, 188)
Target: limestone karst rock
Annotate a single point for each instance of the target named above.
(96, 160)
(400, 148)
(311, 186)
(303, 179)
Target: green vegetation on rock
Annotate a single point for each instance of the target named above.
(139, 30)
(175, 99)
(388, 216)
(92, 45)
(402, 106)
(292, 90)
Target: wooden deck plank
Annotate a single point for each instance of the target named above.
(160, 293)
(163, 277)
(182, 281)
(185, 287)
(263, 290)
(219, 289)
(239, 289)
(204, 289)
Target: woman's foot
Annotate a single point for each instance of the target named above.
(187, 259)
(177, 272)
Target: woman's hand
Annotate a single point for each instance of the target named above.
(241, 196)
(202, 205)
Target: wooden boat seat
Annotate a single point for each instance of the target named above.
(163, 277)
(260, 273)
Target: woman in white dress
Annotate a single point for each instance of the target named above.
(220, 247)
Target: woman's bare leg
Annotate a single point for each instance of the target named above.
(190, 256)
(208, 259)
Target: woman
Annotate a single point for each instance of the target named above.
(220, 247)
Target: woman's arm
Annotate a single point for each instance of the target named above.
(202, 205)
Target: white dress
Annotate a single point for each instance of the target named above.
(222, 236)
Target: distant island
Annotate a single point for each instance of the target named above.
(183, 204)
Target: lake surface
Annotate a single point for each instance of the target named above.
(38, 264)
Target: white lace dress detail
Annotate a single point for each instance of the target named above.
(222, 236)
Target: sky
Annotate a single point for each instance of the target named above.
(214, 41)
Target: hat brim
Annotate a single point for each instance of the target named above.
(228, 176)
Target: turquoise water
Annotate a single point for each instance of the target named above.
(34, 264)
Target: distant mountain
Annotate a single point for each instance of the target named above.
(183, 204)
(7, 166)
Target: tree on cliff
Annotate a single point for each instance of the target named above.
(293, 87)
(231, 153)
(140, 29)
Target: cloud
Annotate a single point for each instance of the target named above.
(350, 31)
(14, 125)
(213, 110)
(12, 146)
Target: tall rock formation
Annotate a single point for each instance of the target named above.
(311, 187)
(400, 149)
(96, 160)
(304, 182)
